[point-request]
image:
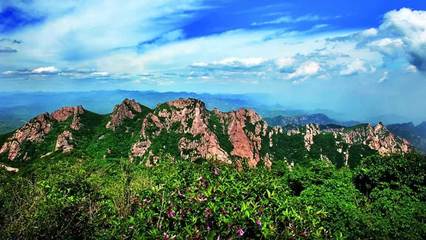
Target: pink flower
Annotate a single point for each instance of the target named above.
(240, 232)
(166, 236)
(171, 213)
(259, 223)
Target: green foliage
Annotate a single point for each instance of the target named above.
(166, 142)
(290, 148)
(325, 144)
(220, 130)
(79, 197)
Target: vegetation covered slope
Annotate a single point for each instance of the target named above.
(74, 197)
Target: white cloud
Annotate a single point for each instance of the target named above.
(411, 69)
(289, 19)
(79, 31)
(49, 69)
(410, 27)
(355, 67)
(384, 77)
(241, 62)
(8, 72)
(284, 62)
(100, 74)
(371, 32)
(305, 70)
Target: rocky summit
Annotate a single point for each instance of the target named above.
(186, 129)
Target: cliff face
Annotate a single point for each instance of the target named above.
(207, 134)
(377, 138)
(126, 110)
(185, 128)
(36, 129)
(33, 131)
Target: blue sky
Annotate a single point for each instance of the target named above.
(358, 58)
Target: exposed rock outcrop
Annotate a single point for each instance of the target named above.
(245, 130)
(311, 131)
(190, 116)
(65, 113)
(33, 131)
(140, 148)
(64, 142)
(377, 138)
(122, 111)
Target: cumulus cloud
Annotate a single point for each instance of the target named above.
(409, 29)
(307, 69)
(355, 67)
(284, 62)
(371, 32)
(41, 70)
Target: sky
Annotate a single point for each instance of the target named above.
(362, 59)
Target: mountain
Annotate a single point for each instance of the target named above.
(19, 107)
(300, 120)
(415, 134)
(186, 129)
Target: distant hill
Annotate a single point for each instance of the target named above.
(301, 120)
(416, 135)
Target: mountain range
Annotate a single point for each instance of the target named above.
(185, 128)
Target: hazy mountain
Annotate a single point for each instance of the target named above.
(416, 135)
(301, 120)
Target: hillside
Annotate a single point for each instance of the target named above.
(415, 134)
(182, 171)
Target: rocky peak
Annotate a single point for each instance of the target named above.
(65, 113)
(33, 131)
(125, 110)
(378, 138)
(187, 103)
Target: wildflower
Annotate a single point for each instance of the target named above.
(259, 223)
(171, 213)
(240, 232)
(166, 236)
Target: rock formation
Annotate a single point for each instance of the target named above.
(33, 131)
(311, 131)
(125, 110)
(64, 142)
(65, 113)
